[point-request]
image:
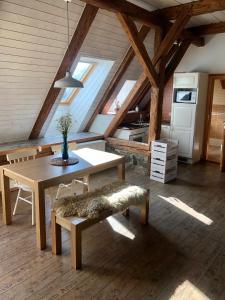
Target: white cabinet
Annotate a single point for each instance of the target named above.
(182, 127)
(185, 138)
(186, 80)
(183, 115)
(187, 120)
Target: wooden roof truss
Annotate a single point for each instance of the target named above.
(171, 45)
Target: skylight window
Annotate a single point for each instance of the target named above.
(82, 72)
(122, 95)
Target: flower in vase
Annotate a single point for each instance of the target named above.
(64, 125)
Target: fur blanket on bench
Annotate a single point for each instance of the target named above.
(109, 199)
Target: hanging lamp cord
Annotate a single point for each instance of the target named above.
(68, 22)
(68, 27)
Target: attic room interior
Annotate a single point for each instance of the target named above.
(112, 149)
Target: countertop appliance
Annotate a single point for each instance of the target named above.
(182, 95)
(132, 133)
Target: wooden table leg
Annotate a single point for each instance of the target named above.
(76, 247)
(121, 177)
(40, 216)
(6, 205)
(121, 171)
(222, 160)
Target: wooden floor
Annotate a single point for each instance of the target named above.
(180, 255)
(214, 153)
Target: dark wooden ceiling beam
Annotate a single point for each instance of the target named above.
(196, 8)
(172, 35)
(222, 84)
(107, 99)
(143, 83)
(213, 28)
(139, 14)
(139, 48)
(176, 59)
(122, 6)
(171, 52)
(77, 40)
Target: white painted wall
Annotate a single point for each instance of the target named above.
(209, 59)
(32, 44)
(122, 95)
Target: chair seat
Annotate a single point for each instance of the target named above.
(22, 186)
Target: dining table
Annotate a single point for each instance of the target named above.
(40, 174)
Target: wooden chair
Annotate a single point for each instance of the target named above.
(71, 187)
(76, 225)
(85, 180)
(17, 157)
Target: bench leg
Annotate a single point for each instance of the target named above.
(126, 212)
(56, 236)
(76, 250)
(86, 186)
(145, 211)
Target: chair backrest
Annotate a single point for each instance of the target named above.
(20, 156)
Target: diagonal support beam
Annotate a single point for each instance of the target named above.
(139, 48)
(77, 40)
(141, 85)
(176, 59)
(213, 28)
(132, 98)
(171, 52)
(173, 34)
(107, 100)
(144, 31)
(151, 19)
(138, 13)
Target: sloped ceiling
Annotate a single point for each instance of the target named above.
(32, 45)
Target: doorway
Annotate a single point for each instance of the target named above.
(215, 118)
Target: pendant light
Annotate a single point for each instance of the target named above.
(68, 81)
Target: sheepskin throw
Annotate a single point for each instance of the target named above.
(109, 199)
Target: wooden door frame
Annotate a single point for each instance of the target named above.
(208, 114)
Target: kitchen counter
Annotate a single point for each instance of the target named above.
(126, 133)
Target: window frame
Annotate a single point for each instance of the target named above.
(85, 77)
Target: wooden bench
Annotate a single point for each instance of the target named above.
(77, 224)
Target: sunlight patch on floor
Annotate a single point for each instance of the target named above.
(120, 228)
(186, 291)
(184, 207)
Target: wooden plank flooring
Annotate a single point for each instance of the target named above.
(180, 255)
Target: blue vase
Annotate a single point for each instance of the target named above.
(65, 154)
